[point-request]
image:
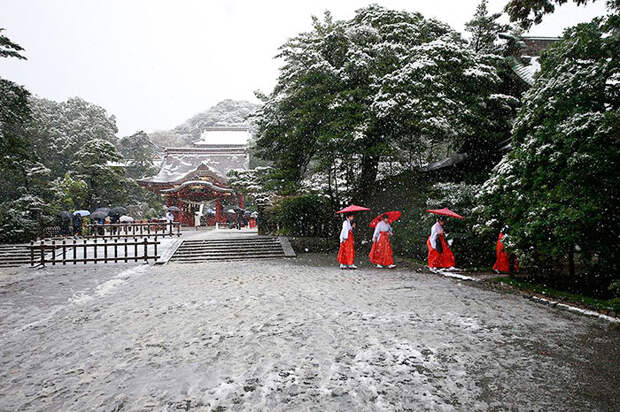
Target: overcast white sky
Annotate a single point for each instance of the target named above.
(155, 63)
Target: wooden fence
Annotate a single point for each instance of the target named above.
(127, 230)
(114, 251)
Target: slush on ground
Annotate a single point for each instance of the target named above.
(293, 334)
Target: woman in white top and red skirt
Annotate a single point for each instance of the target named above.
(381, 253)
(439, 253)
(346, 254)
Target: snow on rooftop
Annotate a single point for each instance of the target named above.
(177, 166)
(526, 71)
(222, 136)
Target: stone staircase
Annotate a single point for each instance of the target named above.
(241, 248)
(14, 255)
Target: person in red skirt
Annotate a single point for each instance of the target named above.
(504, 262)
(439, 253)
(381, 253)
(346, 254)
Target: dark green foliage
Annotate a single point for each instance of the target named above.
(95, 164)
(484, 29)
(528, 12)
(8, 48)
(559, 189)
(384, 87)
(303, 215)
(60, 129)
(138, 151)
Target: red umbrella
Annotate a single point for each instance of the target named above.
(353, 208)
(392, 217)
(444, 212)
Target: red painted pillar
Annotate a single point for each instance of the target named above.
(241, 202)
(219, 215)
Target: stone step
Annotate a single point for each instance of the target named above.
(210, 259)
(231, 247)
(204, 250)
(247, 253)
(266, 242)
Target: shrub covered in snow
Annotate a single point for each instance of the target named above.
(307, 215)
(559, 189)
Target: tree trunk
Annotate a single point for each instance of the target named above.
(367, 180)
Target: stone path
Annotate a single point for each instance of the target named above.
(289, 335)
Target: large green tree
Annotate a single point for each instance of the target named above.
(386, 86)
(484, 28)
(23, 177)
(138, 151)
(559, 188)
(96, 163)
(529, 12)
(60, 129)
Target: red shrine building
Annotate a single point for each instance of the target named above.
(194, 178)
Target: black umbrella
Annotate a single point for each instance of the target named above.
(173, 209)
(100, 213)
(117, 211)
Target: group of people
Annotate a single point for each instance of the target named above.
(70, 225)
(381, 253)
(440, 255)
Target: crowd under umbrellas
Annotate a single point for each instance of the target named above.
(440, 255)
(74, 223)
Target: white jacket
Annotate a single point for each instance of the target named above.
(436, 230)
(381, 227)
(344, 233)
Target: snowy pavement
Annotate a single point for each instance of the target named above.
(290, 335)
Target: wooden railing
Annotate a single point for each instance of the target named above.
(63, 252)
(127, 230)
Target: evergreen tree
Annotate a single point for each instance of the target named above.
(96, 164)
(528, 12)
(23, 177)
(138, 151)
(484, 29)
(559, 188)
(384, 86)
(59, 129)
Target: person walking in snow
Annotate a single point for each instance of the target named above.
(381, 253)
(439, 253)
(346, 254)
(504, 263)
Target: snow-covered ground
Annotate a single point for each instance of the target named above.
(290, 335)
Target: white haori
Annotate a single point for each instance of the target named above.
(381, 227)
(344, 233)
(436, 230)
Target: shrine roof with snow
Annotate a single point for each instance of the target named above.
(218, 151)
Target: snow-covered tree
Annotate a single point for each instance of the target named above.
(69, 193)
(58, 130)
(138, 151)
(385, 85)
(256, 185)
(95, 163)
(559, 188)
(484, 29)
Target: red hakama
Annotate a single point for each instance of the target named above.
(502, 263)
(381, 251)
(440, 260)
(346, 254)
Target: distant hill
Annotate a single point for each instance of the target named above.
(226, 113)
